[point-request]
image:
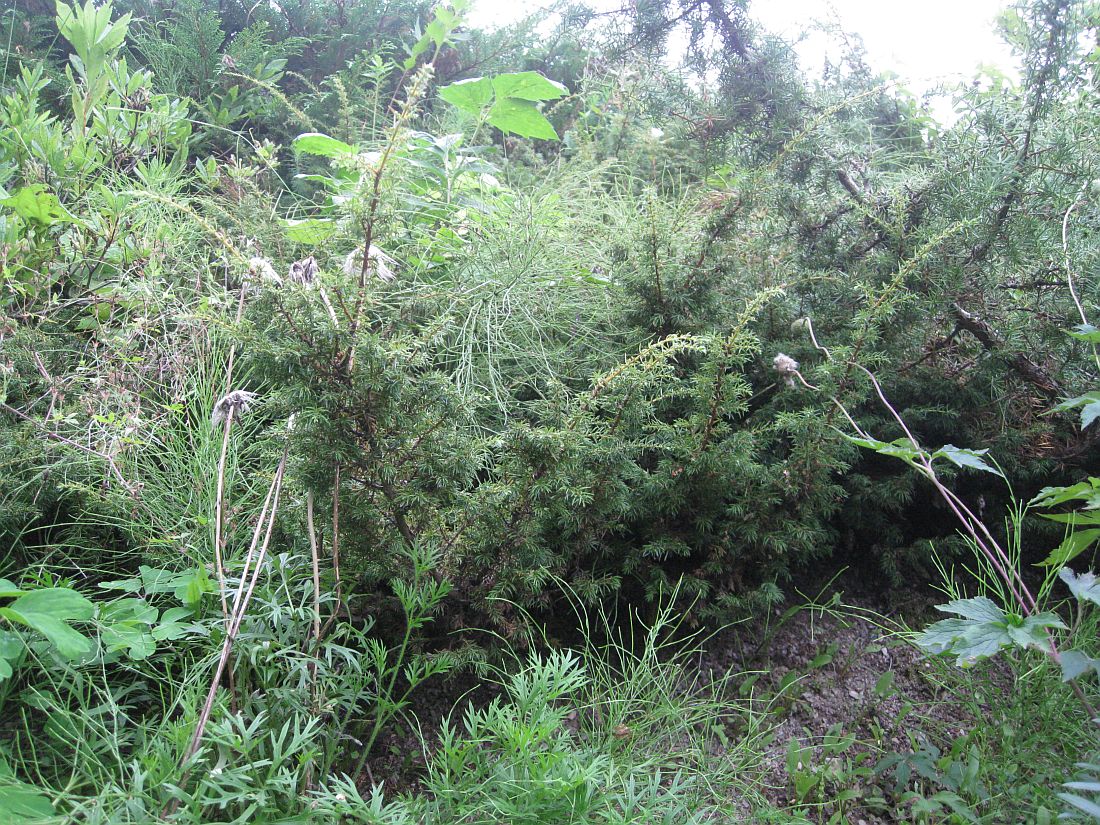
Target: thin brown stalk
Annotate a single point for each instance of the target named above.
(219, 517)
(335, 551)
(240, 606)
(315, 558)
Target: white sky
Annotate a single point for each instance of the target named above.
(925, 43)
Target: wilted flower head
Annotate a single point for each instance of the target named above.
(382, 264)
(232, 403)
(787, 367)
(304, 272)
(261, 268)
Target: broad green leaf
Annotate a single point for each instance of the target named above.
(8, 589)
(979, 609)
(527, 86)
(471, 96)
(1078, 518)
(898, 448)
(48, 611)
(521, 117)
(1089, 404)
(132, 585)
(1085, 491)
(1087, 806)
(37, 203)
(1085, 587)
(11, 650)
(436, 31)
(157, 579)
(21, 803)
(1031, 632)
(966, 458)
(126, 626)
(1074, 545)
(315, 143)
(984, 630)
(1074, 663)
(171, 626)
(192, 585)
(1085, 332)
(310, 230)
(11, 645)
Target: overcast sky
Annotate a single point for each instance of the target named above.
(926, 43)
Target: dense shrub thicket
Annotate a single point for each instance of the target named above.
(481, 319)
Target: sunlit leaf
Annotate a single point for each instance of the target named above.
(471, 95)
(315, 143)
(527, 86)
(521, 117)
(37, 203)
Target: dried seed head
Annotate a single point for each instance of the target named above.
(383, 265)
(261, 269)
(235, 402)
(787, 368)
(304, 272)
